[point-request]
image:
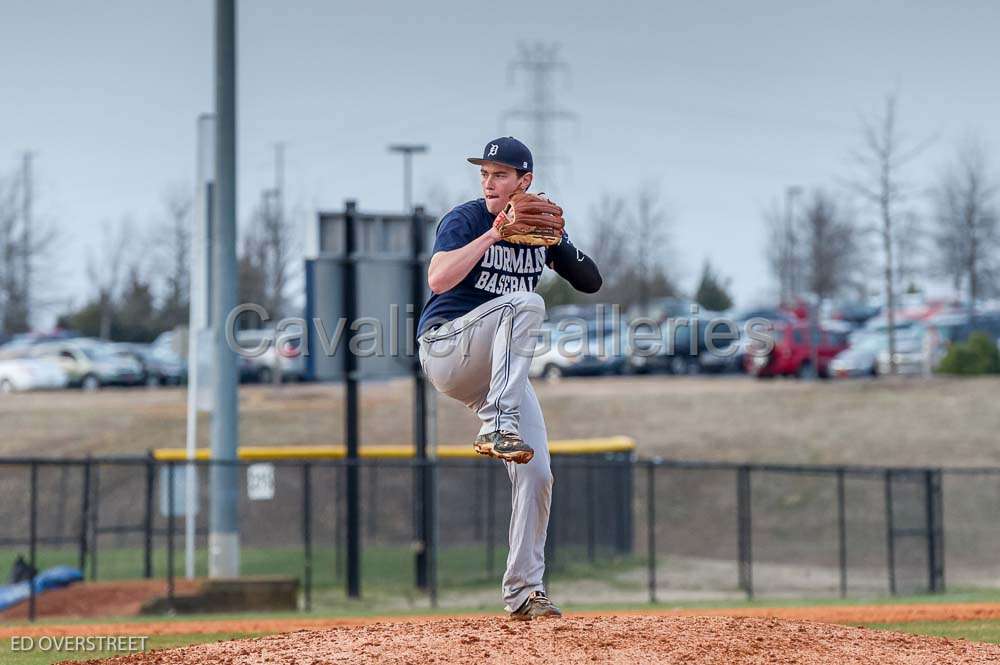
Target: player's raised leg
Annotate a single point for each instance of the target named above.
(512, 347)
(482, 360)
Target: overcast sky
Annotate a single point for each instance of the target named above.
(721, 107)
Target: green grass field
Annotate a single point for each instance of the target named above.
(384, 569)
(976, 631)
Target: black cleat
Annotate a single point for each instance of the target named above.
(507, 446)
(537, 606)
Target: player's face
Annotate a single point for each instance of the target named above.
(499, 182)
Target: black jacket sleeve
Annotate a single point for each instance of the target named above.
(574, 266)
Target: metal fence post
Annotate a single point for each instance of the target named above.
(842, 532)
(651, 526)
(431, 526)
(421, 430)
(307, 534)
(591, 521)
(744, 530)
(352, 406)
(619, 503)
(890, 532)
(147, 523)
(170, 534)
(939, 511)
(935, 562)
(33, 540)
(371, 523)
(550, 539)
(84, 516)
(627, 465)
(338, 527)
(94, 510)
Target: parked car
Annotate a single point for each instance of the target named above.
(22, 374)
(792, 354)
(678, 355)
(16, 345)
(90, 364)
(860, 358)
(287, 360)
(160, 365)
(575, 351)
(913, 354)
(921, 347)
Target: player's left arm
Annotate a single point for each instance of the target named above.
(574, 266)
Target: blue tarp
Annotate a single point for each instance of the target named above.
(52, 578)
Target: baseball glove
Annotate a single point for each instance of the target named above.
(530, 219)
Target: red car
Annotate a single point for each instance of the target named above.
(792, 354)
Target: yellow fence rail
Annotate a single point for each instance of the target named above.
(613, 444)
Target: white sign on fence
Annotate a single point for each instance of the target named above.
(260, 482)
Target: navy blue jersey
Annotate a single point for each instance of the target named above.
(504, 268)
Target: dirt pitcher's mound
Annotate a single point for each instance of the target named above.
(709, 640)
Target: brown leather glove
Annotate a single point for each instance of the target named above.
(530, 219)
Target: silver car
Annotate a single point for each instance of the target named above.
(90, 363)
(860, 358)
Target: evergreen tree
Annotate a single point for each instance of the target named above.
(713, 291)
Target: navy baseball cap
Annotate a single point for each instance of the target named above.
(508, 151)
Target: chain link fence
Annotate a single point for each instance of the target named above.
(622, 530)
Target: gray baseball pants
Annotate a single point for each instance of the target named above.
(482, 359)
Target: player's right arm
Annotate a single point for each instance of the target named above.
(448, 268)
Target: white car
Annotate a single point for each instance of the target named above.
(913, 353)
(288, 360)
(554, 359)
(860, 358)
(21, 374)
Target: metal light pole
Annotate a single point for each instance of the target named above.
(224, 535)
(408, 150)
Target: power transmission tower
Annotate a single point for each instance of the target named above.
(540, 62)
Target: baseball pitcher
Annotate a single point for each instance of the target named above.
(477, 335)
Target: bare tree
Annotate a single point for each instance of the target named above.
(883, 153)
(268, 248)
(25, 238)
(909, 252)
(648, 234)
(105, 271)
(967, 231)
(440, 199)
(9, 287)
(830, 248)
(782, 252)
(606, 236)
(829, 254)
(172, 244)
(630, 246)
